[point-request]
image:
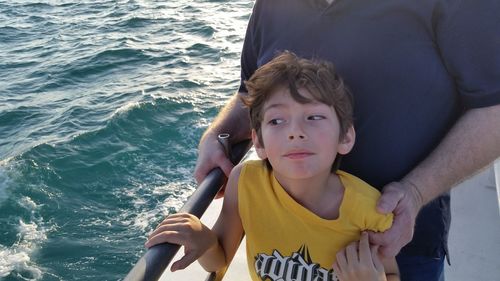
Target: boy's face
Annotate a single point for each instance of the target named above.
(300, 140)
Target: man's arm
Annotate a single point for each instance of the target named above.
(471, 145)
(233, 119)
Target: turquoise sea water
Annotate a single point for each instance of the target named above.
(102, 104)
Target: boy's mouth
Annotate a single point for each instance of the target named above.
(298, 154)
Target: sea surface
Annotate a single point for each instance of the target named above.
(102, 104)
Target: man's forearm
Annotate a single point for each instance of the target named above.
(233, 119)
(472, 144)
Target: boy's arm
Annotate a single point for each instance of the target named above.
(186, 230)
(213, 248)
(228, 228)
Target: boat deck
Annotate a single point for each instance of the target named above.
(474, 238)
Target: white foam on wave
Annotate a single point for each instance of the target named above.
(29, 204)
(144, 216)
(17, 258)
(126, 107)
(139, 100)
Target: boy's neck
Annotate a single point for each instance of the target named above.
(321, 195)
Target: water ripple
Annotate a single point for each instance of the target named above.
(102, 104)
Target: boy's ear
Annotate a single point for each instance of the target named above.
(259, 148)
(347, 142)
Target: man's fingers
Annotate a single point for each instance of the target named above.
(381, 238)
(403, 202)
(390, 198)
(201, 170)
(388, 241)
(389, 251)
(226, 165)
(211, 155)
(392, 240)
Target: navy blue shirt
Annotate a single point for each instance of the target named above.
(413, 68)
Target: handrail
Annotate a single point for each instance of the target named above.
(151, 265)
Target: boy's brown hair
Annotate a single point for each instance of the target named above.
(289, 71)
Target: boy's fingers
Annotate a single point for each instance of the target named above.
(158, 230)
(164, 228)
(341, 259)
(177, 218)
(375, 258)
(186, 260)
(352, 253)
(167, 224)
(175, 222)
(165, 237)
(364, 249)
(336, 269)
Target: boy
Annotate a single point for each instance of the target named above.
(300, 214)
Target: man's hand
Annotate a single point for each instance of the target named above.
(404, 200)
(233, 119)
(211, 155)
(186, 230)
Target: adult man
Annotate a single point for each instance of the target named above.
(425, 76)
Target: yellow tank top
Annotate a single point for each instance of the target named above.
(286, 241)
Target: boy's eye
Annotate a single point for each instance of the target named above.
(276, 121)
(316, 117)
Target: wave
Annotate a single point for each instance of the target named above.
(17, 258)
(100, 188)
(36, 5)
(105, 61)
(90, 161)
(137, 22)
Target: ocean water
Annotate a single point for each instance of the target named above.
(102, 104)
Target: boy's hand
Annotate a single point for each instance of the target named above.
(186, 230)
(359, 262)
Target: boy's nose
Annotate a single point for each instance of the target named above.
(296, 131)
